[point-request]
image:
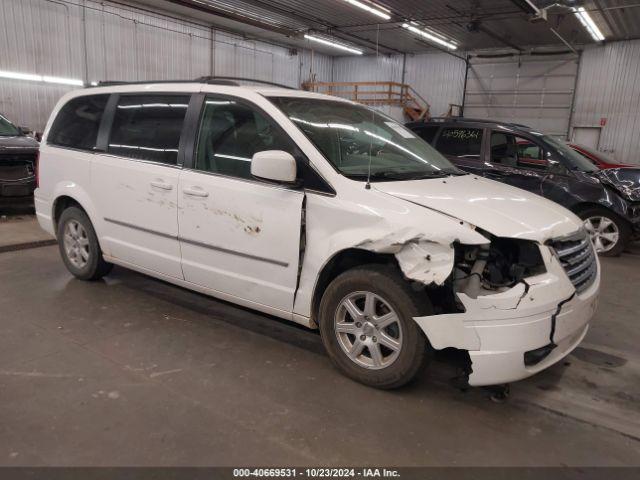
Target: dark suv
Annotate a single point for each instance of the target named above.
(517, 155)
(18, 153)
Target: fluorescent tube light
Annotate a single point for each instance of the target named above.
(431, 36)
(588, 23)
(20, 76)
(63, 81)
(41, 78)
(333, 44)
(377, 10)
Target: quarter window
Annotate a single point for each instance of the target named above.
(460, 142)
(230, 133)
(78, 122)
(148, 127)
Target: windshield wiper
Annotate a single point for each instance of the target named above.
(373, 176)
(390, 176)
(438, 174)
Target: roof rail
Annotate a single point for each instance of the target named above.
(217, 81)
(113, 83)
(233, 81)
(476, 120)
(211, 80)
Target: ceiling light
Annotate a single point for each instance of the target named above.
(41, 78)
(588, 23)
(377, 10)
(432, 36)
(63, 81)
(340, 46)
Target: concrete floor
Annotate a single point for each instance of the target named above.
(20, 231)
(133, 371)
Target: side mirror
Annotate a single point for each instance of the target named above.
(274, 165)
(24, 130)
(554, 166)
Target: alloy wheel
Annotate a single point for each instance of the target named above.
(603, 231)
(368, 330)
(76, 244)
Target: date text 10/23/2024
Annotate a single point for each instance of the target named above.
(315, 473)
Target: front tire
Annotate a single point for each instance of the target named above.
(609, 233)
(79, 246)
(367, 327)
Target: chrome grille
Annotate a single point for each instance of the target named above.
(578, 259)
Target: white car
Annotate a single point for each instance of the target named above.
(319, 211)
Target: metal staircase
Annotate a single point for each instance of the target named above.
(414, 106)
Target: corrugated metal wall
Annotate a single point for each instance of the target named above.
(94, 40)
(437, 77)
(609, 88)
(370, 68)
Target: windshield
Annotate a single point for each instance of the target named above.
(7, 129)
(356, 140)
(596, 153)
(570, 158)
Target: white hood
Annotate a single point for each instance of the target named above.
(500, 209)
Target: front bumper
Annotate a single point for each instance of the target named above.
(498, 330)
(17, 189)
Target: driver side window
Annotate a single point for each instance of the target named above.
(514, 151)
(230, 133)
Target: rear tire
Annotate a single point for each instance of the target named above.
(79, 246)
(609, 232)
(367, 327)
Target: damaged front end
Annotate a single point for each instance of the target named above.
(512, 306)
(495, 267)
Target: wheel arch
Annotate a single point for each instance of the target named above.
(60, 205)
(67, 195)
(340, 262)
(584, 206)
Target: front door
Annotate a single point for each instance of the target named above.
(516, 160)
(136, 182)
(239, 236)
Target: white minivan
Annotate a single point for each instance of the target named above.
(320, 211)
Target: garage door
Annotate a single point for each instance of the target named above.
(535, 91)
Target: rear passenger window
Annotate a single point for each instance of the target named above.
(78, 122)
(230, 133)
(148, 127)
(460, 142)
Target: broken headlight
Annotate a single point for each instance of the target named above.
(500, 265)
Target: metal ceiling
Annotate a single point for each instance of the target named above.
(474, 24)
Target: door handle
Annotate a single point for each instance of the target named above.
(195, 192)
(162, 185)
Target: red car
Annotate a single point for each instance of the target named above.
(599, 159)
